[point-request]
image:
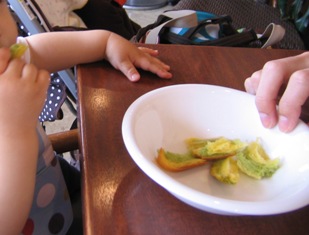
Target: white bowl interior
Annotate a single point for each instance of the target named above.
(167, 116)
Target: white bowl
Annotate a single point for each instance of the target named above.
(167, 116)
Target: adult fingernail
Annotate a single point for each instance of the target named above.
(266, 120)
(249, 87)
(284, 124)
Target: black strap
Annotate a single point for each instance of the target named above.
(142, 32)
(238, 39)
(228, 35)
(224, 22)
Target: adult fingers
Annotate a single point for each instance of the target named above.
(294, 97)
(275, 74)
(252, 83)
(305, 111)
(286, 66)
(272, 77)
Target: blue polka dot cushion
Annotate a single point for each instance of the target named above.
(56, 95)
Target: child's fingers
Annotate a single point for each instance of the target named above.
(44, 78)
(155, 66)
(15, 68)
(29, 72)
(149, 64)
(43, 81)
(149, 51)
(152, 64)
(129, 70)
(4, 59)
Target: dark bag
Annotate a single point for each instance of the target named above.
(108, 15)
(205, 29)
(254, 14)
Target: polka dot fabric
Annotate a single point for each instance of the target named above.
(51, 211)
(55, 97)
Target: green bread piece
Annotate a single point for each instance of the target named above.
(177, 157)
(214, 148)
(225, 170)
(254, 162)
(17, 50)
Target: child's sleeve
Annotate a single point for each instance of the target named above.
(27, 56)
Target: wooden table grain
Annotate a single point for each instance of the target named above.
(118, 198)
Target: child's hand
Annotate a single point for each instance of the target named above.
(22, 91)
(126, 57)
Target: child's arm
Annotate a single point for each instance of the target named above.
(22, 97)
(59, 50)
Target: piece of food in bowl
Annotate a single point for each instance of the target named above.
(217, 148)
(254, 161)
(225, 170)
(17, 50)
(177, 162)
(227, 158)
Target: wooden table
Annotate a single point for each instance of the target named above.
(118, 198)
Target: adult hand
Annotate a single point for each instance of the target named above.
(290, 75)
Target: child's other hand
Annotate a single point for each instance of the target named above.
(22, 91)
(126, 57)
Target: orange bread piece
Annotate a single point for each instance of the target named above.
(177, 162)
